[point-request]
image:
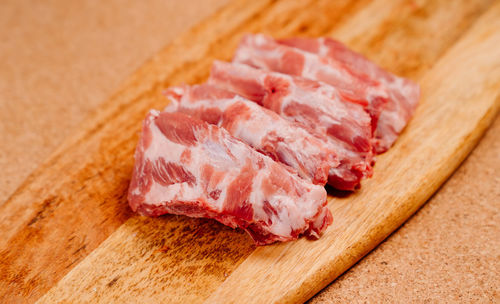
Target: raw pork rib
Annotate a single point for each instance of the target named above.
(186, 166)
(317, 107)
(260, 128)
(389, 100)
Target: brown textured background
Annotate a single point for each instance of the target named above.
(60, 59)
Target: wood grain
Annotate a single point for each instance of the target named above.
(408, 37)
(90, 194)
(453, 114)
(88, 200)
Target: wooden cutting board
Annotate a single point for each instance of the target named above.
(69, 236)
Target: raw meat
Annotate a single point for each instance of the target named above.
(315, 106)
(389, 100)
(403, 93)
(260, 128)
(186, 166)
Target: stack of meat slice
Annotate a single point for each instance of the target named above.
(317, 107)
(390, 100)
(262, 129)
(254, 146)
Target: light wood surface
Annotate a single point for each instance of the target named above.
(153, 259)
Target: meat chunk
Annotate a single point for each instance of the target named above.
(317, 107)
(260, 128)
(403, 93)
(389, 100)
(186, 166)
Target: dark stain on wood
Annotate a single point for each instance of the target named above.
(47, 207)
(113, 282)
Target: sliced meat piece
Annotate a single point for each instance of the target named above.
(262, 129)
(315, 106)
(186, 166)
(389, 100)
(403, 93)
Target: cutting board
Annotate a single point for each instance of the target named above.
(69, 236)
